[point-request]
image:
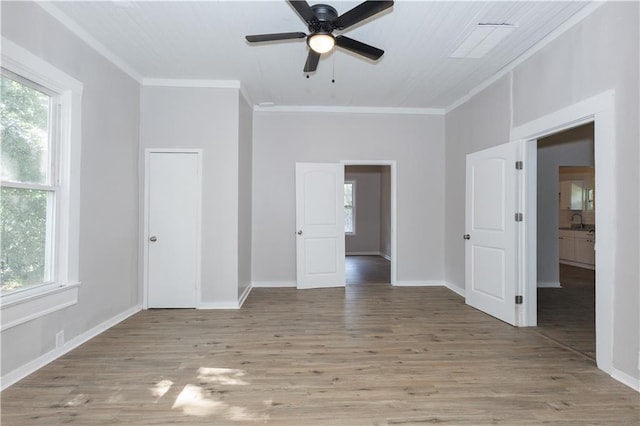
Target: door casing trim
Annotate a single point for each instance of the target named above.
(392, 164)
(599, 109)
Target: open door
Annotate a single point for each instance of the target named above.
(320, 225)
(491, 239)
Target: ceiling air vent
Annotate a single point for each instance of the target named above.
(481, 40)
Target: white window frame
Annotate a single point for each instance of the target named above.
(51, 186)
(352, 182)
(32, 302)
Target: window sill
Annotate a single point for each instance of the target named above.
(19, 308)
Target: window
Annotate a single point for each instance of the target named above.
(350, 207)
(28, 193)
(40, 110)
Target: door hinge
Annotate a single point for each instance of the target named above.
(518, 217)
(518, 300)
(519, 165)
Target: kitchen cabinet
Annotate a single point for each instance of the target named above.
(577, 248)
(566, 247)
(585, 250)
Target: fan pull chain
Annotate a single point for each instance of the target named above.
(333, 57)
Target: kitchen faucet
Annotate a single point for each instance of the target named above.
(580, 216)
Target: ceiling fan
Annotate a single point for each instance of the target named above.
(322, 20)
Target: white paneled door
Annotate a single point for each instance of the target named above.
(173, 221)
(491, 237)
(320, 225)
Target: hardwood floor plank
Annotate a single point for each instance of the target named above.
(364, 355)
(362, 270)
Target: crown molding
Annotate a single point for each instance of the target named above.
(183, 82)
(83, 35)
(213, 84)
(350, 109)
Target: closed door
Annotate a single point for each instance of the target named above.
(320, 225)
(173, 223)
(490, 251)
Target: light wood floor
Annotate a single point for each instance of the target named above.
(366, 270)
(364, 355)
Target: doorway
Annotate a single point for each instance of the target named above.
(599, 109)
(369, 223)
(566, 237)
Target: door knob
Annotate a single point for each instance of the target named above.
(153, 239)
(466, 236)
(300, 232)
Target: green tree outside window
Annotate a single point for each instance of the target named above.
(24, 210)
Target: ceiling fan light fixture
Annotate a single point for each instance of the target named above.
(321, 42)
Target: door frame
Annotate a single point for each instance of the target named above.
(392, 164)
(145, 219)
(599, 109)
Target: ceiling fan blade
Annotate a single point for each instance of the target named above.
(358, 47)
(312, 61)
(274, 37)
(303, 9)
(361, 12)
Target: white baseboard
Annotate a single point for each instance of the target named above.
(427, 283)
(244, 295)
(32, 366)
(218, 305)
(363, 253)
(626, 379)
(456, 289)
(274, 284)
(549, 284)
(228, 305)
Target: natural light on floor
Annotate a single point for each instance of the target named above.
(223, 376)
(160, 389)
(195, 400)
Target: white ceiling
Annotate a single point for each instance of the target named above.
(204, 40)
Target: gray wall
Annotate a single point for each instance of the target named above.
(368, 209)
(573, 147)
(109, 190)
(598, 54)
(480, 123)
(416, 142)
(206, 118)
(245, 165)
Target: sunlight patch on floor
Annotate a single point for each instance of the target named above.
(160, 388)
(194, 402)
(222, 376)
